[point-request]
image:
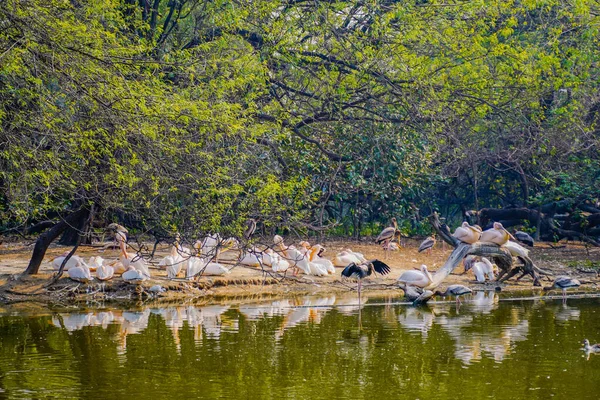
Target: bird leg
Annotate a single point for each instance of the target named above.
(359, 283)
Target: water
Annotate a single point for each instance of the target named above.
(306, 348)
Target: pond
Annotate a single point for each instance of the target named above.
(306, 347)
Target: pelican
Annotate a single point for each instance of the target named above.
(133, 274)
(387, 235)
(427, 244)
(483, 269)
(515, 249)
(314, 258)
(95, 263)
(215, 269)
(410, 292)
(74, 261)
(130, 259)
(250, 229)
(293, 256)
(80, 273)
(524, 238)
(118, 267)
(360, 271)
(251, 259)
(197, 265)
(496, 235)
(416, 278)
(278, 264)
(456, 291)
(358, 255)
(173, 263)
(344, 258)
(467, 233)
(563, 283)
(105, 272)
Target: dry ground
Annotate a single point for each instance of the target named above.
(251, 282)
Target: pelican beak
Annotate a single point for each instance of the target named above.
(510, 236)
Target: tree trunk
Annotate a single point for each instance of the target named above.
(79, 227)
(41, 245)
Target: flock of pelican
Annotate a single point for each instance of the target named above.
(203, 259)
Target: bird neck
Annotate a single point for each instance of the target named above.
(313, 253)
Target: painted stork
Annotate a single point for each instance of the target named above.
(427, 244)
(563, 283)
(361, 271)
(250, 229)
(456, 291)
(524, 238)
(387, 235)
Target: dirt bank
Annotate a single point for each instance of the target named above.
(244, 282)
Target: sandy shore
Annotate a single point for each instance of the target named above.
(252, 283)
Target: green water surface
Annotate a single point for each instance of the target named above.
(306, 348)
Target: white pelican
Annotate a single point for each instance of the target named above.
(95, 262)
(361, 271)
(251, 259)
(483, 269)
(74, 261)
(174, 262)
(427, 244)
(416, 278)
(118, 267)
(467, 233)
(345, 258)
(496, 235)
(315, 259)
(293, 256)
(278, 264)
(197, 265)
(563, 283)
(80, 273)
(387, 235)
(456, 291)
(130, 259)
(358, 255)
(105, 272)
(133, 274)
(515, 249)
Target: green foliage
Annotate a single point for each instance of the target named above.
(196, 115)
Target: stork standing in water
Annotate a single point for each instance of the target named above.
(456, 291)
(387, 235)
(563, 283)
(361, 271)
(427, 244)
